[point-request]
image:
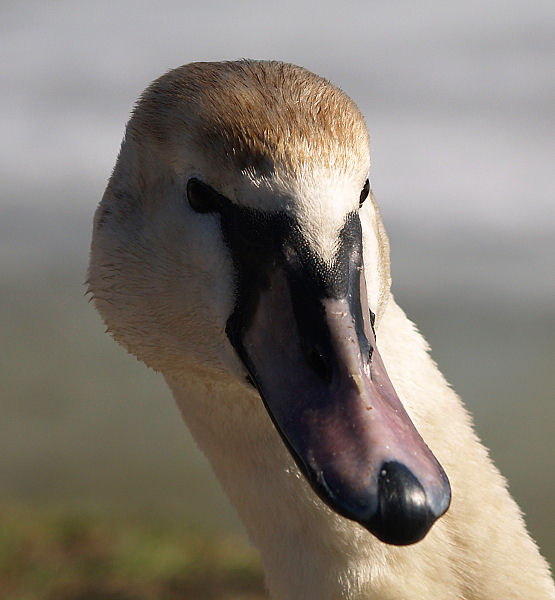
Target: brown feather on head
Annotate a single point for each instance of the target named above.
(257, 115)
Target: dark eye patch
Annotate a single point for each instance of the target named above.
(203, 198)
(247, 226)
(259, 241)
(364, 193)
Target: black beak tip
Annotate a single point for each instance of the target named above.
(399, 514)
(404, 515)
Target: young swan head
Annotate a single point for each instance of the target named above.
(234, 240)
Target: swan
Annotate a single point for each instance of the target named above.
(239, 251)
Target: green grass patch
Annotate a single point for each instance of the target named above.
(55, 554)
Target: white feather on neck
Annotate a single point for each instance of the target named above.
(310, 553)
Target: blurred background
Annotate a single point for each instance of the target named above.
(102, 491)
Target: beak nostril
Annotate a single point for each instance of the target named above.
(318, 363)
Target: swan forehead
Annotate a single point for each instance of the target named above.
(262, 119)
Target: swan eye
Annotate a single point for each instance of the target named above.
(203, 198)
(364, 193)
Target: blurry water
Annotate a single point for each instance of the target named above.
(457, 99)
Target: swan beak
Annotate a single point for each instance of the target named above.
(316, 365)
